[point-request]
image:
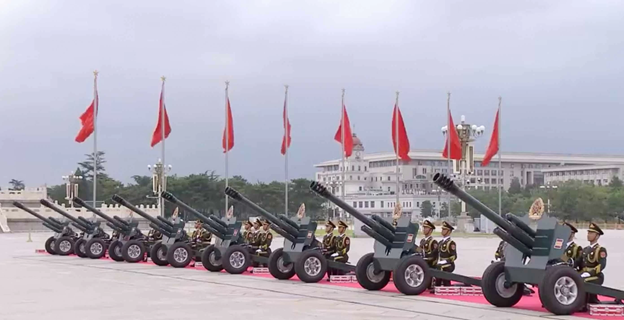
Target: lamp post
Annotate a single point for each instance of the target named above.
(159, 182)
(548, 199)
(71, 187)
(467, 133)
(333, 184)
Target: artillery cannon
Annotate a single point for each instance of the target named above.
(301, 253)
(172, 231)
(93, 240)
(533, 256)
(226, 230)
(62, 242)
(124, 232)
(394, 251)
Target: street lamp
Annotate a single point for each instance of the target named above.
(333, 184)
(548, 200)
(71, 187)
(159, 182)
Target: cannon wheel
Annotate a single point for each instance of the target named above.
(493, 285)
(114, 251)
(179, 255)
(562, 291)
(411, 276)
(158, 254)
(64, 246)
(211, 259)
(311, 266)
(277, 268)
(79, 248)
(95, 248)
(236, 259)
(132, 251)
(49, 246)
(365, 274)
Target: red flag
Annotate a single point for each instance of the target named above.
(403, 142)
(157, 135)
(348, 137)
(286, 137)
(230, 130)
(493, 147)
(456, 149)
(87, 120)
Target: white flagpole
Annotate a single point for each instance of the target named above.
(396, 132)
(448, 144)
(95, 150)
(342, 132)
(286, 143)
(227, 142)
(163, 182)
(500, 170)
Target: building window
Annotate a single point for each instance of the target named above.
(364, 168)
(493, 172)
(486, 180)
(359, 168)
(350, 177)
(388, 178)
(372, 204)
(337, 189)
(479, 172)
(354, 204)
(486, 172)
(358, 177)
(360, 204)
(360, 188)
(424, 170)
(418, 204)
(388, 188)
(381, 203)
(365, 204)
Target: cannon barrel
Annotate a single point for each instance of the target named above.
(49, 221)
(447, 184)
(121, 221)
(114, 227)
(385, 232)
(383, 223)
(239, 197)
(283, 233)
(165, 221)
(54, 228)
(156, 222)
(161, 230)
(79, 226)
(55, 221)
(65, 214)
(99, 213)
(517, 221)
(287, 220)
(207, 220)
(512, 241)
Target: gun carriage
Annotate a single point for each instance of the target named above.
(172, 231)
(301, 253)
(62, 242)
(395, 251)
(227, 232)
(533, 256)
(92, 242)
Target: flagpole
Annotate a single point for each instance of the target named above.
(342, 132)
(227, 142)
(500, 170)
(163, 181)
(396, 137)
(448, 144)
(286, 145)
(95, 153)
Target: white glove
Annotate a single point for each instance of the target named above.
(442, 262)
(584, 275)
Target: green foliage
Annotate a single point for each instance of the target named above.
(426, 209)
(514, 186)
(16, 185)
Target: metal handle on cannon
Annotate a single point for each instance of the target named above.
(98, 212)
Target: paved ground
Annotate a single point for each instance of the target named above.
(35, 286)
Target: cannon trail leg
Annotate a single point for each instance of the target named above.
(277, 268)
(366, 275)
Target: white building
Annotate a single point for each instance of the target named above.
(599, 175)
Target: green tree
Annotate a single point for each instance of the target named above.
(515, 187)
(87, 165)
(444, 211)
(426, 209)
(16, 185)
(615, 183)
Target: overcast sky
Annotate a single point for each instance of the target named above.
(557, 64)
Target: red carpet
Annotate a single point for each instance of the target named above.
(527, 303)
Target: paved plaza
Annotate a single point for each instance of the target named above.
(38, 286)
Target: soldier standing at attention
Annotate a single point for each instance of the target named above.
(594, 260)
(342, 243)
(429, 246)
(329, 239)
(448, 253)
(573, 252)
(499, 255)
(247, 231)
(265, 238)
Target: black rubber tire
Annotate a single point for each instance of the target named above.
(300, 266)
(92, 245)
(158, 246)
(275, 261)
(79, 248)
(400, 280)
(63, 239)
(489, 280)
(547, 290)
(180, 247)
(362, 276)
(49, 246)
(207, 254)
(114, 251)
(135, 244)
(226, 259)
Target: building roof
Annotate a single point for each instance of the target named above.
(586, 167)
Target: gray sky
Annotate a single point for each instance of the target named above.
(557, 64)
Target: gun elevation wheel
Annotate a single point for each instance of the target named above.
(158, 254)
(236, 259)
(180, 255)
(411, 275)
(311, 266)
(79, 248)
(49, 245)
(95, 248)
(114, 251)
(211, 259)
(561, 290)
(366, 276)
(64, 246)
(495, 289)
(277, 268)
(131, 251)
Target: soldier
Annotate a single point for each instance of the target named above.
(265, 237)
(573, 252)
(329, 239)
(154, 235)
(200, 236)
(448, 253)
(247, 233)
(499, 255)
(429, 246)
(342, 243)
(594, 260)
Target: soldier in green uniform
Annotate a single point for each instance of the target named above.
(247, 233)
(573, 252)
(342, 243)
(447, 253)
(265, 237)
(329, 240)
(429, 246)
(499, 255)
(594, 260)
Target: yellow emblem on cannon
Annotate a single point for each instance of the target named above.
(230, 212)
(396, 214)
(301, 212)
(537, 209)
